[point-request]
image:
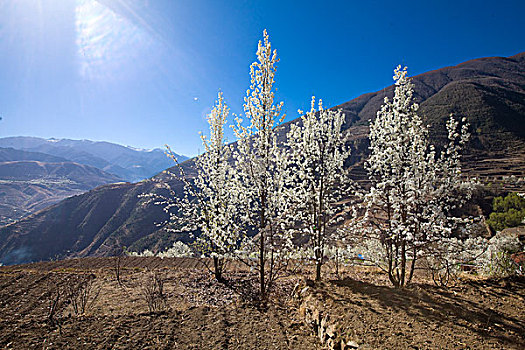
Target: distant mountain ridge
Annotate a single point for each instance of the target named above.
(489, 92)
(31, 181)
(128, 163)
(11, 154)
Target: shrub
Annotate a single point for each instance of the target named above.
(152, 290)
(507, 212)
(497, 261)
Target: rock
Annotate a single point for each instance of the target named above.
(294, 291)
(304, 290)
(330, 330)
(316, 316)
(333, 345)
(352, 345)
(323, 322)
(302, 312)
(308, 316)
(321, 334)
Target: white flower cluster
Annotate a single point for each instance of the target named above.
(208, 205)
(319, 183)
(497, 261)
(145, 253)
(259, 185)
(414, 187)
(178, 250)
(252, 200)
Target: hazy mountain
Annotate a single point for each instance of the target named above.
(128, 163)
(490, 92)
(11, 154)
(39, 180)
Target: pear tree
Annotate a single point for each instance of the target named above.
(207, 205)
(260, 173)
(320, 183)
(415, 188)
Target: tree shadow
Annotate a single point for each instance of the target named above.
(425, 303)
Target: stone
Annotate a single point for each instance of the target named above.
(352, 345)
(304, 290)
(294, 291)
(316, 315)
(321, 334)
(331, 330)
(333, 345)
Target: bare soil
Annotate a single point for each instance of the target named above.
(473, 314)
(202, 314)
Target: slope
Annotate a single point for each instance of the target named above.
(29, 185)
(490, 92)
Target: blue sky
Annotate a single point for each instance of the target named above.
(146, 72)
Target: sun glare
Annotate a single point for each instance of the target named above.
(110, 46)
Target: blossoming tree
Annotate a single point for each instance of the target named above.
(414, 188)
(320, 183)
(261, 177)
(207, 205)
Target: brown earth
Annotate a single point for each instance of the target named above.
(203, 314)
(200, 313)
(473, 314)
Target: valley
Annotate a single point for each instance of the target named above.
(37, 173)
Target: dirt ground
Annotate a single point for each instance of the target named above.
(200, 313)
(472, 314)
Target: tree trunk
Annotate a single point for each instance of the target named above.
(412, 265)
(403, 264)
(217, 269)
(318, 270)
(261, 266)
(337, 263)
(262, 250)
(391, 274)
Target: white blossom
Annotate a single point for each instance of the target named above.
(320, 183)
(260, 181)
(178, 250)
(414, 188)
(207, 206)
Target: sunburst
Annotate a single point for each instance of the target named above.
(110, 46)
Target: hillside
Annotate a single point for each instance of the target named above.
(27, 186)
(127, 163)
(490, 92)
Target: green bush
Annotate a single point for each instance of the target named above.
(501, 265)
(508, 211)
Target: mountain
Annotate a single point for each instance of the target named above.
(11, 154)
(127, 163)
(32, 181)
(489, 92)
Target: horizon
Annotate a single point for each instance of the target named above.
(52, 139)
(143, 74)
